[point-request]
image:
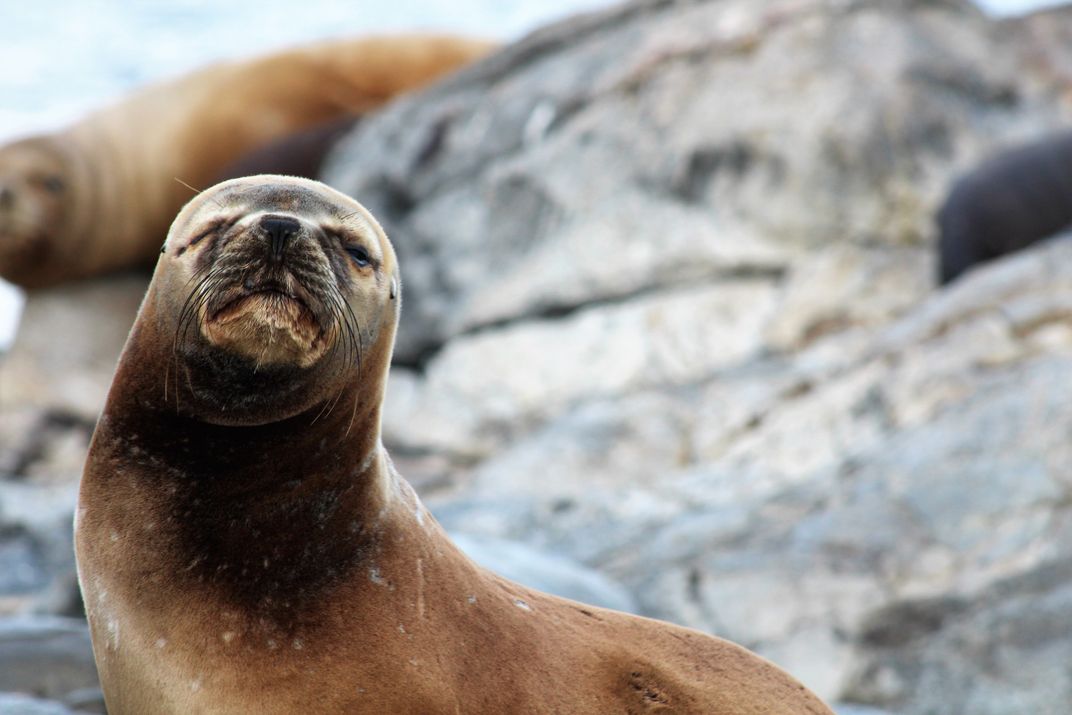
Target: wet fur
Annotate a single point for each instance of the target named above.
(1016, 198)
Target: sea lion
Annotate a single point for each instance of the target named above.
(245, 545)
(1012, 200)
(99, 195)
(300, 154)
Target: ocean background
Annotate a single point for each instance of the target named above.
(62, 59)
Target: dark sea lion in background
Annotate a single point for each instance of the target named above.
(300, 154)
(245, 544)
(1007, 203)
(99, 195)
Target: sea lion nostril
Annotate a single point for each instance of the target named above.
(7, 197)
(279, 230)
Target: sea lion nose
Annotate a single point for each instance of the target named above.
(279, 230)
(7, 197)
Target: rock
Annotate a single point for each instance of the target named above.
(18, 704)
(887, 495)
(545, 572)
(661, 143)
(67, 347)
(45, 657)
(999, 652)
(86, 700)
(669, 313)
(490, 385)
(36, 543)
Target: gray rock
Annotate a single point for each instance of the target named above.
(67, 346)
(662, 143)
(36, 547)
(1003, 651)
(18, 704)
(545, 572)
(45, 657)
(86, 700)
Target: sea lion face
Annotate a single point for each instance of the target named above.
(33, 190)
(279, 284)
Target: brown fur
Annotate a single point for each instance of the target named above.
(246, 546)
(119, 166)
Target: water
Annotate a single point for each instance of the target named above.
(60, 59)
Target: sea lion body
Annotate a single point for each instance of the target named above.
(1007, 203)
(121, 174)
(245, 545)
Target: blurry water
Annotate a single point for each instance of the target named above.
(61, 58)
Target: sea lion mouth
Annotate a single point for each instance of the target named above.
(274, 300)
(270, 322)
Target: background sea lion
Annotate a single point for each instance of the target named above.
(299, 154)
(98, 195)
(1008, 202)
(245, 544)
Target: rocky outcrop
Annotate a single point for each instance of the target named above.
(50, 658)
(670, 324)
(670, 312)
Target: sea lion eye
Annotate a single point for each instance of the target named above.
(360, 255)
(53, 184)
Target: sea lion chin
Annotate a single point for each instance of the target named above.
(269, 327)
(245, 545)
(270, 278)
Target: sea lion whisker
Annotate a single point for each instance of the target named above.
(357, 330)
(332, 304)
(197, 192)
(194, 301)
(336, 304)
(330, 405)
(353, 348)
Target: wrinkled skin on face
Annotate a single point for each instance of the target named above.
(270, 281)
(34, 188)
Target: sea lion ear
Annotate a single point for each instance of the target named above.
(394, 288)
(163, 249)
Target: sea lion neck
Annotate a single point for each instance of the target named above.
(256, 514)
(288, 506)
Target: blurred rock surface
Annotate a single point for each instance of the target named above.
(49, 658)
(669, 315)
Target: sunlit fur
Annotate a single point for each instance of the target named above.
(34, 204)
(127, 168)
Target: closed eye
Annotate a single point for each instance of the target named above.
(360, 255)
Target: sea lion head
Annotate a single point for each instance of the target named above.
(34, 202)
(272, 296)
